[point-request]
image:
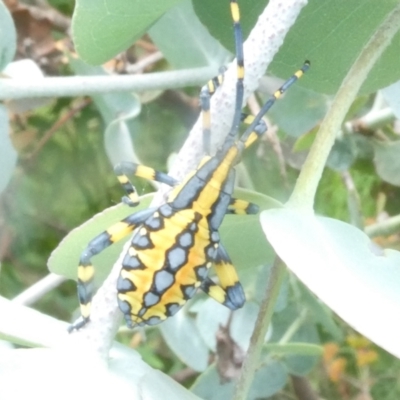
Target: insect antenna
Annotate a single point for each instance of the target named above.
(270, 102)
(240, 73)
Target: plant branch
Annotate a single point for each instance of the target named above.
(90, 85)
(353, 200)
(39, 289)
(294, 327)
(371, 121)
(384, 228)
(278, 272)
(310, 175)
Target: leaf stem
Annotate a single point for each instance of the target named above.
(89, 85)
(277, 274)
(310, 175)
(384, 228)
(294, 327)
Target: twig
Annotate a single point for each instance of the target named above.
(89, 85)
(39, 289)
(272, 138)
(302, 388)
(57, 20)
(250, 364)
(384, 228)
(56, 126)
(144, 62)
(371, 121)
(353, 200)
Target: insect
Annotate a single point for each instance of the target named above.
(174, 245)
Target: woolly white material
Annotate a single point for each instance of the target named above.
(259, 49)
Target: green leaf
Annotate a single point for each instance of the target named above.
(305, 141)
(243, 322)
(342, 154)
(8, 37)
(269, 379)
(330, 34)
(43, 330)
(294, 325)
(198, 49)
(183, 338)
(103, 29)
(358, 280)
(320, 313)
(116, 109)
(303, 349)
(242, 234)
(216, 16)
(257, 292)
(387, 161)
(45, 371)
(392, 96)
(210, 317)
(302, 364)
(160, 386)
(300, 111)
(64, 259)
(208, 386)
(8, 156)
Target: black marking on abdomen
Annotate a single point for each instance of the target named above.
(188, 291)
(154, 223)
(132, 262)
(124, 306)
(153, 320)
(166, 210)
(172, 308)
(201, 272)
(125, 285)
(141, 240)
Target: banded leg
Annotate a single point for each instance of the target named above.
(208, 90)
(229, 291)
(86, 270)
(242, 207)
(206, 93)
(127, 168)
(240, 70)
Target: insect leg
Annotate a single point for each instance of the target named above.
(240, 69)
(205, 95)
(127, 168)
(86, 270)
(209, 89)
(242, 207)
(229, 291)
(251, 134)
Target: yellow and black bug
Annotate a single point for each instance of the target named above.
(174, 245)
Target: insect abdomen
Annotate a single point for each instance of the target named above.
(163, 268)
